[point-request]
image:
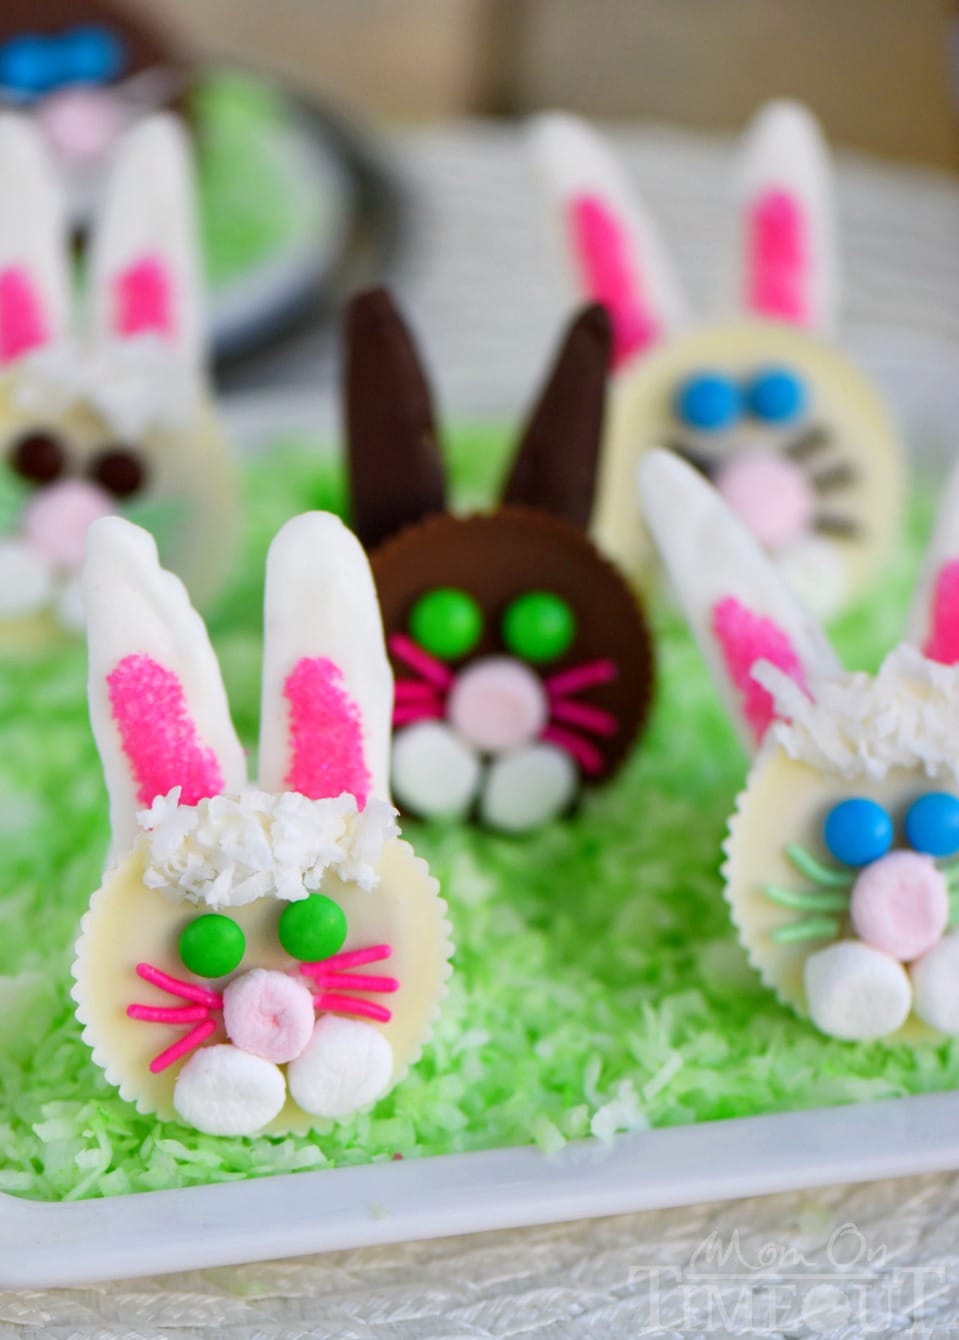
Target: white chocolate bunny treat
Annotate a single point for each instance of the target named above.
(761, 401)
(263, 957)
(85, 71)
(112, 414)
(842, 856)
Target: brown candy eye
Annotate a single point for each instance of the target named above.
(38, 457)
(120, 471)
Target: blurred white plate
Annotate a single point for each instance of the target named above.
(47, 1245)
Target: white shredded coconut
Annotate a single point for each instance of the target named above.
(230, 850)
(136, 383)
(856, 725)
(623, 1112)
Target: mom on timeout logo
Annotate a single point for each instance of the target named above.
(849, 1288)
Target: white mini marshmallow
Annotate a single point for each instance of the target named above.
(346, 1066)
(855, 992)
(26, 580)
(528, 788)
(434, 771)
(224, 1091)
(935, 985)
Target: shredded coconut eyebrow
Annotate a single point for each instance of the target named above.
(856, 725)
(138, 383)
(228, 851)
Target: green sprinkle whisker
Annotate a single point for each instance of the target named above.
(813, 928)
(820, 874)
(808, 902)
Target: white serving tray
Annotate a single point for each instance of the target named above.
(46, 1245)
(51, 1244)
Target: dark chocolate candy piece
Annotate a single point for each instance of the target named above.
(505, 554)
(395, 465)
(556, 463)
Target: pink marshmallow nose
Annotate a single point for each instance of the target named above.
(771, 495)
(81, 124)
(268, 1014)
(56, 520)
(900, 905)
(498, 704)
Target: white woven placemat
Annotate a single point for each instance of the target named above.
(873, 1260)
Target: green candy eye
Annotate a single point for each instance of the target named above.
(446, 622)
(313, 928)
(212, 945)
(539, 627)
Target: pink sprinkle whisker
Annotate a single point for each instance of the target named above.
(357, 981)
(187, 1043)
(366, 1009)
(158, 1014)
(405, 716)
(588, 758)
(432, 670)
(185, 990)
(587, 717)
(579, 677)
(348, 958)
(415, 690)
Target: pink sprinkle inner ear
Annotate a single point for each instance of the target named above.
(778, 259)
(144, 299)
(158, 734)
(942, 644)
(746, 638)
(326, 734)
(609, 276)
(22, 326)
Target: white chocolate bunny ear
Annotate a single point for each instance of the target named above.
(35, 296)
(739, 608)
(788, 266)
(933, 623)
(615, 253)
(327, 684)
(157, 703)
(145, 276)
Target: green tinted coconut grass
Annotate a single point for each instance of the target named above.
(598, 988)
(254, 206)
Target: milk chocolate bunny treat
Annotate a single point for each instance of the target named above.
(260, 957)
(761, 401)
(111, 414)
(842, 856)
(523, 662)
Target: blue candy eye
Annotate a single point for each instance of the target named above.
(932, 824)
(708, 402)
(30, 65)
(95, 55)
(87, 54)
(777, 395)
(858, 831)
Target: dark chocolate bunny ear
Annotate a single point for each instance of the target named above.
(556, 462)
(394, 462)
